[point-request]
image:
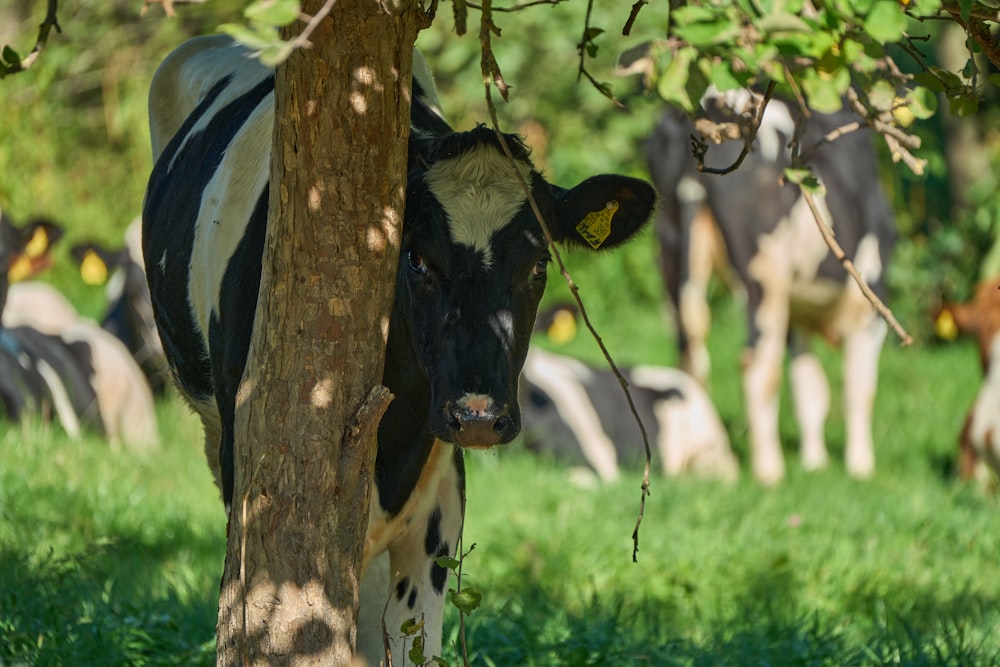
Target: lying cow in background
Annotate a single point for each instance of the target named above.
(794, 286)
(471, 272)
(129, 315)
(124, 399)
(979, 318)
(39, 374)
(579, 415)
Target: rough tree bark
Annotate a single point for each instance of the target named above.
(305, 454)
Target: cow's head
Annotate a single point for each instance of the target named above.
(473, 266)
(24, 251)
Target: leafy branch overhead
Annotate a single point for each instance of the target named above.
(11, 61)
(821, 53)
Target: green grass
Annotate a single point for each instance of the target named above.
(112, 559)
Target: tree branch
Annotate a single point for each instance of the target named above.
(838, 252)
(747, 143)
(11, 63)
(574, 290)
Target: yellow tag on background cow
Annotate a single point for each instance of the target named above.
(595, 227)
(20, 269)
(563, 327)
(945, 327)
(38, 244)
(93, 270)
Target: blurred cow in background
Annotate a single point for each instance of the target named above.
(578, 414)
(59, 364)
(794, 286)
(129, 315)
(979, 318)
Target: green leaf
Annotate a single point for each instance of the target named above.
(447, 562)
(591, 33)
(963, 105)
(929, 81)
(707, 34)
(275, 54)
(273, 12)
(782, 22)
(249, 36)
(886, 22)
(411, 626)
(803, 177)
(694, 14)
(824, 89)
(10, 57)
(723, 77)
(467, 600)
(416, 653)
(672, 85)
(797, 174)
(882, 95)
(922, 102)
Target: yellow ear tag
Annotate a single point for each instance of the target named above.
(563, 327)
(93, 270)
(945, 327)
(19, 269)
(38, 244)
(595, 227)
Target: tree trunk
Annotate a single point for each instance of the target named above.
(305, 452)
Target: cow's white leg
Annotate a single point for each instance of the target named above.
(811, 393)
(768, 305)
(861, 353)
(418, 585)
(693, 310)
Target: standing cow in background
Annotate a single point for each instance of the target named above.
(794, 286)
(979, 318)
(472, 269)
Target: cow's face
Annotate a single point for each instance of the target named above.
(473, 268)
(24, 251)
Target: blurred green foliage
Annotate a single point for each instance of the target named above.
(74, 137)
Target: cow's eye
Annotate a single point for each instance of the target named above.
(538, 270)
(416, 262)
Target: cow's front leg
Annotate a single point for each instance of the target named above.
(768, 310)
(811, 393)
(861, 354)
(418, 585)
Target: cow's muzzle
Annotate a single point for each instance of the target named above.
(475, 420)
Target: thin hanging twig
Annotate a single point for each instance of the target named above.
(574, 290)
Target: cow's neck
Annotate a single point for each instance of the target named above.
(404, 438)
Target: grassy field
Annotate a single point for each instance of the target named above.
(107, 558)
(111, 559)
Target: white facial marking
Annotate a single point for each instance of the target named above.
(480, 192)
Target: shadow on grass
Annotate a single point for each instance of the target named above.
(766, 625)
(122, 600)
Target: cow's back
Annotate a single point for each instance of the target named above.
(187, 76)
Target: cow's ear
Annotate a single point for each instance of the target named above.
(603, 211)
(95, 262)
(31, 252)
(38, 235)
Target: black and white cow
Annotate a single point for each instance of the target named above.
(794, 286)
(578, 414)
(124, 398)
(472, 270)
(39, 373)
(129, 314)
